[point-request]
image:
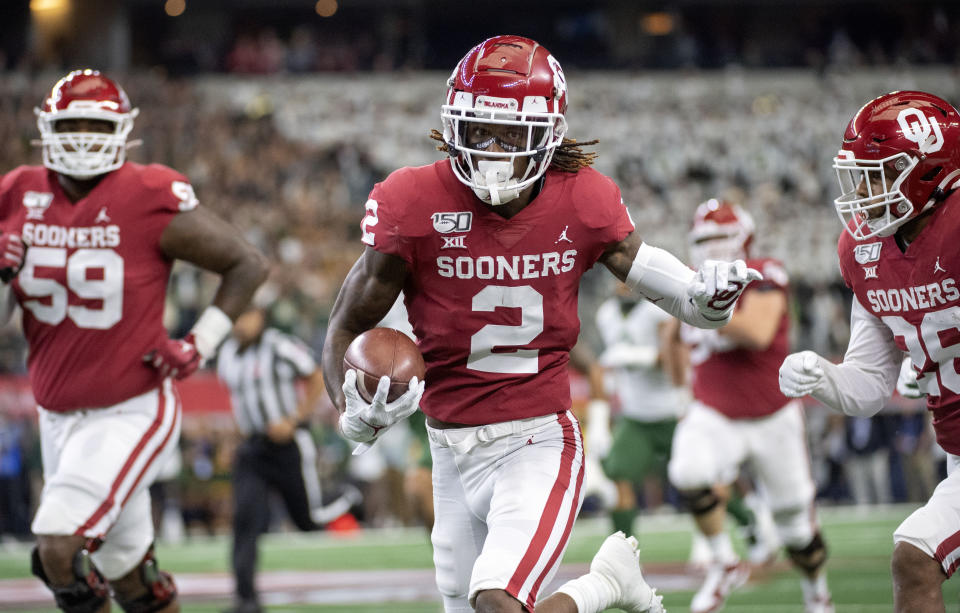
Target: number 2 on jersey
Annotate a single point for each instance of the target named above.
(108, 289)
(482, 344)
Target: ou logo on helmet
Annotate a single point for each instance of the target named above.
(920, 129)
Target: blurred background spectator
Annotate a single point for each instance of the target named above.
(284, 114)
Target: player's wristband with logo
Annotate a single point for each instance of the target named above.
(210, 330)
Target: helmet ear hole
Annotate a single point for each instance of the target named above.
(931, 174)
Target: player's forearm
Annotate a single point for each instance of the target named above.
(239, 282)
(856, 390)
(760, 314)
(673, 352)
(663, 279)
(368, 292)
(208, 242)
(755, 335)
(334, 348)
(863, 383)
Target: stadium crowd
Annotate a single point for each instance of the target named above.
(289, 161)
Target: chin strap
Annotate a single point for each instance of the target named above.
(494, 182)
(943, 190)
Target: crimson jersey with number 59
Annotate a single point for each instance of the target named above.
(916, 295)
(493, 301)
(94, 280)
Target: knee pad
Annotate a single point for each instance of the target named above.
(702, 501)
(87, 593)
(161, 590)
(811, 557)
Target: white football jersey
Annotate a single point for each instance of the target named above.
(645, 392)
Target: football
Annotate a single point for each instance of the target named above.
(384, 351)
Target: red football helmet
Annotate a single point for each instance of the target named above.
(507, 82)
(915, 136)
(85, 94)
(720, 231)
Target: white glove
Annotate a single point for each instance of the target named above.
(907, 381)
(361, 421)
(800, 374)
(717, 285)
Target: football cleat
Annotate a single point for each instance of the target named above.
(618, 562)
(821, 604)
(721, 580)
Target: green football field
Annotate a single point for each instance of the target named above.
(391, 570)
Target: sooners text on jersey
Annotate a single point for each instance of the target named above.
(94, 280)
(741, 383)
(917, 296)
(493, 300)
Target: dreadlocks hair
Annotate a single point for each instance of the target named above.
(569, 155)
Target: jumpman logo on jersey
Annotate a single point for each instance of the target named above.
(102, 216)
(563, 236)
(937, 267)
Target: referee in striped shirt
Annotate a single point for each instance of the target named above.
(262, 367)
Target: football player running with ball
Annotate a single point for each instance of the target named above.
(899, 170)
(488, 248)
(87, 242)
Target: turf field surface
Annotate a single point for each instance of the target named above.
(391, 570)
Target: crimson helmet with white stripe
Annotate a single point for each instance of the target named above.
(513, 88)
(903, 152)
(720, 231)
(85, 94)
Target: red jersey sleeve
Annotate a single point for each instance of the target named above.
(8, 201)
(601, 209)
(6, 181)
(386, 213)
(167, 193)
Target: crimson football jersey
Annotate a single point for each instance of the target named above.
(94, 280)
(738, 382)
(493, 301)
(916, 295)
